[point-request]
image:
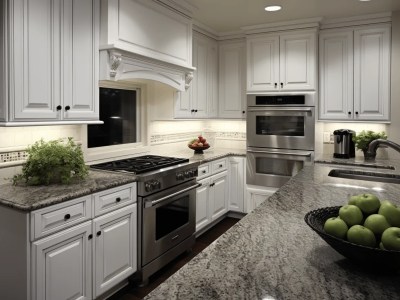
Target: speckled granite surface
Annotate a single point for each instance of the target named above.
(272, 253)
(28, 198)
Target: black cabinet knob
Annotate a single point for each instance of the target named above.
(192, 110)
(281, 84)
(118, 199)
(349, 112)
(243, 112)
(67, 107)
(98, 233)
(276, 85)
(195, 110)
(356, 112)
(59, 107)
(67, 217)
(90, 236)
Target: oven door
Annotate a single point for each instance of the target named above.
(281, 127)
(169, 217)
(274, 167)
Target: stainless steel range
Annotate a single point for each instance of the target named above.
(166, 207)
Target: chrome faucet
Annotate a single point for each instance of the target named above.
(373, 146)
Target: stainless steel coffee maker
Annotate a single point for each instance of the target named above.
(344, 145)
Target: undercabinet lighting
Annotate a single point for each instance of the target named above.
(273, 8)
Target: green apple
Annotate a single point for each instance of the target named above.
(336, 227)
(391, 238)
(381, 246)
(391, 212)
(376, 223)
(361, 235)
(351, 214)
(368, 203)
(353, 199)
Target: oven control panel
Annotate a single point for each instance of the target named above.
(187, 174)
(152, 185)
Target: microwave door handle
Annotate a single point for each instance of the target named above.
(280, 153)
(150, 203)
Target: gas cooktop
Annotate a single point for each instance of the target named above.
(140, 164)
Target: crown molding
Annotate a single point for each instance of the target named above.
(279, 26)
(180, 6)
(357, 20)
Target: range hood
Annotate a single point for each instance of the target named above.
(144, 39)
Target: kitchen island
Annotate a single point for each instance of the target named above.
(272, 253)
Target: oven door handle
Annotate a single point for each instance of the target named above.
(150, 203)
(308, 109)
(306, 154)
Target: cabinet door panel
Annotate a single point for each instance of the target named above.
(35, 60)
(115, 247)
(297, 61)
(62, 265)
(219, 191)
(202, 204)
(236, 183)
(336, 75)
(80, 59)
(262, 63)
(200, 78)
(372, 73)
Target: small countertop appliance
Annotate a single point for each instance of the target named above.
(344, 145)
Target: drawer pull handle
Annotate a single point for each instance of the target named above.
(67, 217)
(220, 166)
(204, 172)
(90, 236)
(98, 233)
(118, 199)
(67, 108)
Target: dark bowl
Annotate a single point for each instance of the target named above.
(199, 150)
(367, 257)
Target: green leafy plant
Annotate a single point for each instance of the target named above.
(56, 161)
(365, 137)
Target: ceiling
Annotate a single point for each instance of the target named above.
(229, 15)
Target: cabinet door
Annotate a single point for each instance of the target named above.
(255, 196)
(34, 67)
(336, 74)
(232, 91)
(263, 63)
(115, 248)
(219, 195)
(80, 59)
(372, 73)
(183, 103)
(236, 183)
(212, 79)
(202, 204)
(298, 61)
(200, 96)
(62, 266)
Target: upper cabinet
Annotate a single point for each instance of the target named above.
(232, 79)
(355, 73)
(282, 62)
(200, 100)
(49, 53)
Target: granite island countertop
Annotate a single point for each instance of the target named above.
(272, 253)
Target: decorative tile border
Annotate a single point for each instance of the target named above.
(186, 136)
(7, 157)
(231, 135)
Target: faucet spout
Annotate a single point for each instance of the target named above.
(373, 146)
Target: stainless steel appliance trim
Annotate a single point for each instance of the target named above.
(279, 108)
(299, 153)
(149, 203)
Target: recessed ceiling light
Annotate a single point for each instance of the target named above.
(273, 8)
(364, 0)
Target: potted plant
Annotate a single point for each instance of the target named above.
(50, 162)
(365, 137)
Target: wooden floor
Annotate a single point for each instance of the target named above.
(133, 292)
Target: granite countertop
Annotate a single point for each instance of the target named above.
(29, 198)
(272, 253)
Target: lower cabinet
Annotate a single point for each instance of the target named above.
(237, 171)
(212, 199)
(256, 195)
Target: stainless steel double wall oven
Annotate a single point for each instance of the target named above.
(280, 137)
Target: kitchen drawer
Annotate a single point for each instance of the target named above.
(204, 171)
(218, 166)
(60, 216)
(115, 198)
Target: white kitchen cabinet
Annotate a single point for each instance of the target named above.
(255, 195)
(200, 100)
(282, 62)
(212, 196)
(237, 171)
(355, 73)
(115, 248)
(62, 265)
(232, 79)
(52, 50)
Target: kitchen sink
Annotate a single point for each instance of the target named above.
(365, 175)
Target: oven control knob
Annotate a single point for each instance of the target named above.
(148, 186)
(187, 174)
(179, 176)
(156, 185)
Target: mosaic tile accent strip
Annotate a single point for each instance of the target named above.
(186, 136)
(13, 156)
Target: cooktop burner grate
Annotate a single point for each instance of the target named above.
(140, 164)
